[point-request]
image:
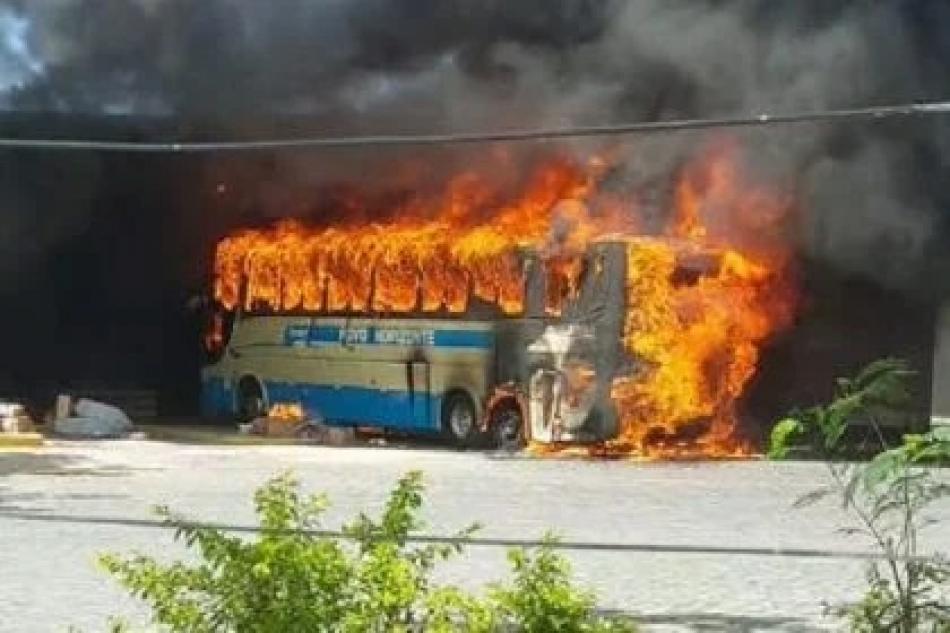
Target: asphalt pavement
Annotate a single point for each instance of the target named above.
(702, 546)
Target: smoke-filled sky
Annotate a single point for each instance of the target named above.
(874, 195)
(565, 60)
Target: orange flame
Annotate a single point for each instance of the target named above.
(698, 344)
(695, 342)
(286, 412)
(435, 256)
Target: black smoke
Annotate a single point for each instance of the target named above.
(874, 193)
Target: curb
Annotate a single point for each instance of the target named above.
(20, 440)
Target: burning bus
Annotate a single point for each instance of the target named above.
(536, 320)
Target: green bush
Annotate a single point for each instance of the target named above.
(290, 578)
(889, 497)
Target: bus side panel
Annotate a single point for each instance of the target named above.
(346, 405)
(398, 382)
(357, 371)
(357, 392)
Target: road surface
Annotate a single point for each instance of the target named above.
(701, 546)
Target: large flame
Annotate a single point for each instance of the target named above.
(693, 343)
(697, 344)
(436, 255)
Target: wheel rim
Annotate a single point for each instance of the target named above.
(508, 428)
(461, 420)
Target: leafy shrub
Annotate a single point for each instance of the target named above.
(292, 578)
(542, 598)
(888, 497)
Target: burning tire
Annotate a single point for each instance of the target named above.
(460, 419)
(507, 427)
(250, 400)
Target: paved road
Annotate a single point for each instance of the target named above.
(709, 524)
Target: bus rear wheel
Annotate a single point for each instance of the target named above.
(459, 419)
(507, 428)
(250, 404)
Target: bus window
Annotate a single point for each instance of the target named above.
(564, 275)
(588, 291)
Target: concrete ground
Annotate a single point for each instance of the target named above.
(701, 546)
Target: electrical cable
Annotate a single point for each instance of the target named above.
(877, 113)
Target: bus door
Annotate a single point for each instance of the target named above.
(402, 399)
(419, 386)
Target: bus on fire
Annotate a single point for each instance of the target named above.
(541, 372)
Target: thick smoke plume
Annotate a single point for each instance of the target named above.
(871, 193)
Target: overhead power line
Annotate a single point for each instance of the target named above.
(474, 541)
(543, 134)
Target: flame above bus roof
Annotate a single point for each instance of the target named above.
(434, 256)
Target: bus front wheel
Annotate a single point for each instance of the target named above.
(250, 405)
(459, 419)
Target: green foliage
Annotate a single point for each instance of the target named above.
(291, 579)
(888, 496)
(882, 608)
(114, 625)
(881, 386)
(782, 435)
(542, 599)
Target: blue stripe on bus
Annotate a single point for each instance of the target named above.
(313, 336)
(350, 406)
(344, 406)
(483, 339)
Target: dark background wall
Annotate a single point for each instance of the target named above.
(845, 323)
(99, 266)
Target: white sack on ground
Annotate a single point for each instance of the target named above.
(93, 419)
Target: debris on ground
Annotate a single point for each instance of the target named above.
(89, 419)
(329, 435)
(14, 418)
(291, 422)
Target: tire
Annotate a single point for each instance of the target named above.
(507, 428)
(460, 420)
(250, 402)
